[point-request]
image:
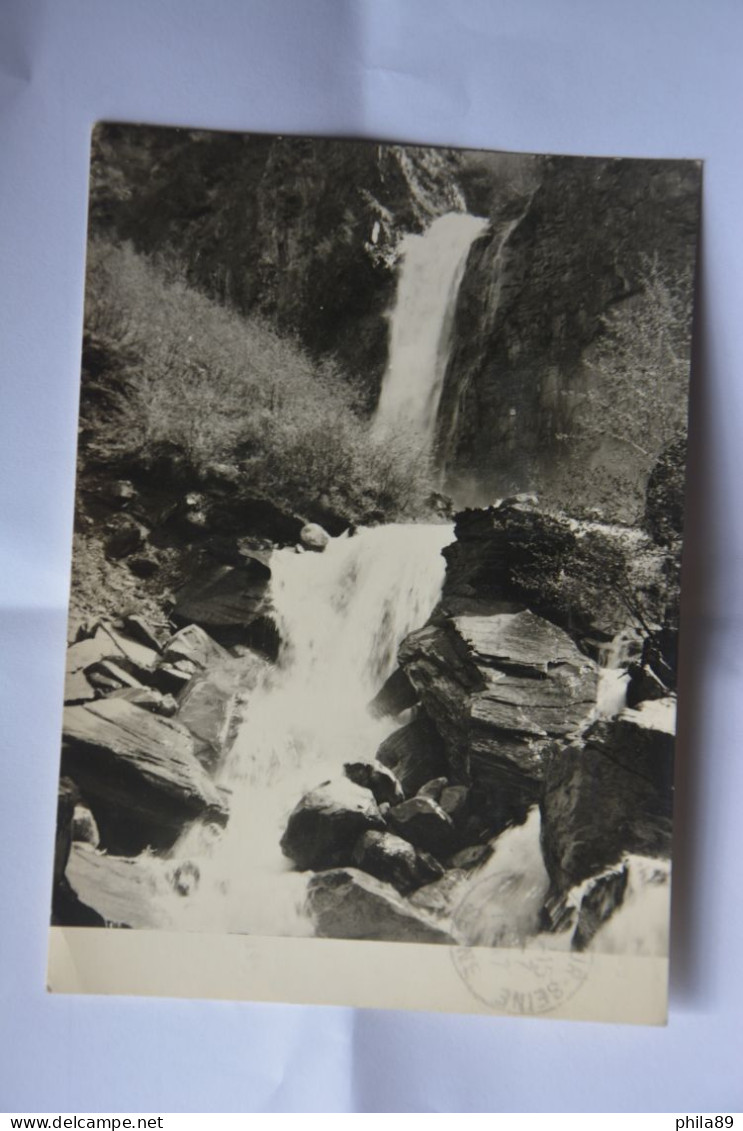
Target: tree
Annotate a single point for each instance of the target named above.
(632, 401)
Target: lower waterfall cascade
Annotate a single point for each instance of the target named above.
(342, 615)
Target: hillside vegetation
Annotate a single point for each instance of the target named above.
(178, 372)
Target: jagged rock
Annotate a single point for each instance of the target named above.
(601, 897)
(601, 893)
(381, 781)
(433, 788)
(77, 689)
(645, 901)
(225, 596)
(327, 822)
(140, 630)
(104, 684)
(126, 539)
(313, 537)
(439, 898)
(137, 658)
(206, 707)
(262, 636)
(84, 653)
(120, 890)
(500, 687)
(149, 699)
(67, 910)
(138, 770)
(414, 753)
(345, 903)
(120, 493)
(68, 796)
(396, 861)
(78, 628)
(169, 679)
(397, 694)
(263, 518)
(84, 827)
(518, 555)
(106, 674)
(453, 800)
(194, 644)
(644, 684)
(143, 565)
(425, 824)
(609, 794)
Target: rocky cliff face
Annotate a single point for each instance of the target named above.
(535, 296)
(593, 579)
(301, 230)
(609, 794)
(501, 687)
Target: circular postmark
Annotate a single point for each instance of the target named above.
(505, 967)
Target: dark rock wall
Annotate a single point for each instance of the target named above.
(532, 300)
(300, 230)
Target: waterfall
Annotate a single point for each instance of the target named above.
(421, 325)
(342, 615)
(613, 658)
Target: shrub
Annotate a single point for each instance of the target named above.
(634, 399)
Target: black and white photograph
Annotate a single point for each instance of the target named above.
(374, 615)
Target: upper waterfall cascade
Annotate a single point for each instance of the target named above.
(421, 325)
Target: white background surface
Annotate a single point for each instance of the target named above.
(636, 78)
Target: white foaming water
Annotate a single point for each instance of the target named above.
(342, 615)
(421, 326)
(642, 924)
(611, 695)
(499, 904)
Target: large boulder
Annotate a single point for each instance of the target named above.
(194, 644)
(84, 827)
(68, 797)
(415, 753)
(377, 778)
(139, 629)
(425, 824)
(225, 596)
(313, 537)
(207, 708)
(586, 906)
(396, 694)
(149, 699)
(126, 537)
(348, 904)
(327, 822)
(394, 860)
(138, 771)
(121, 890)
(67, 908)
(609, 794)
(500, 688)
(573, 573)
(89, 663)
